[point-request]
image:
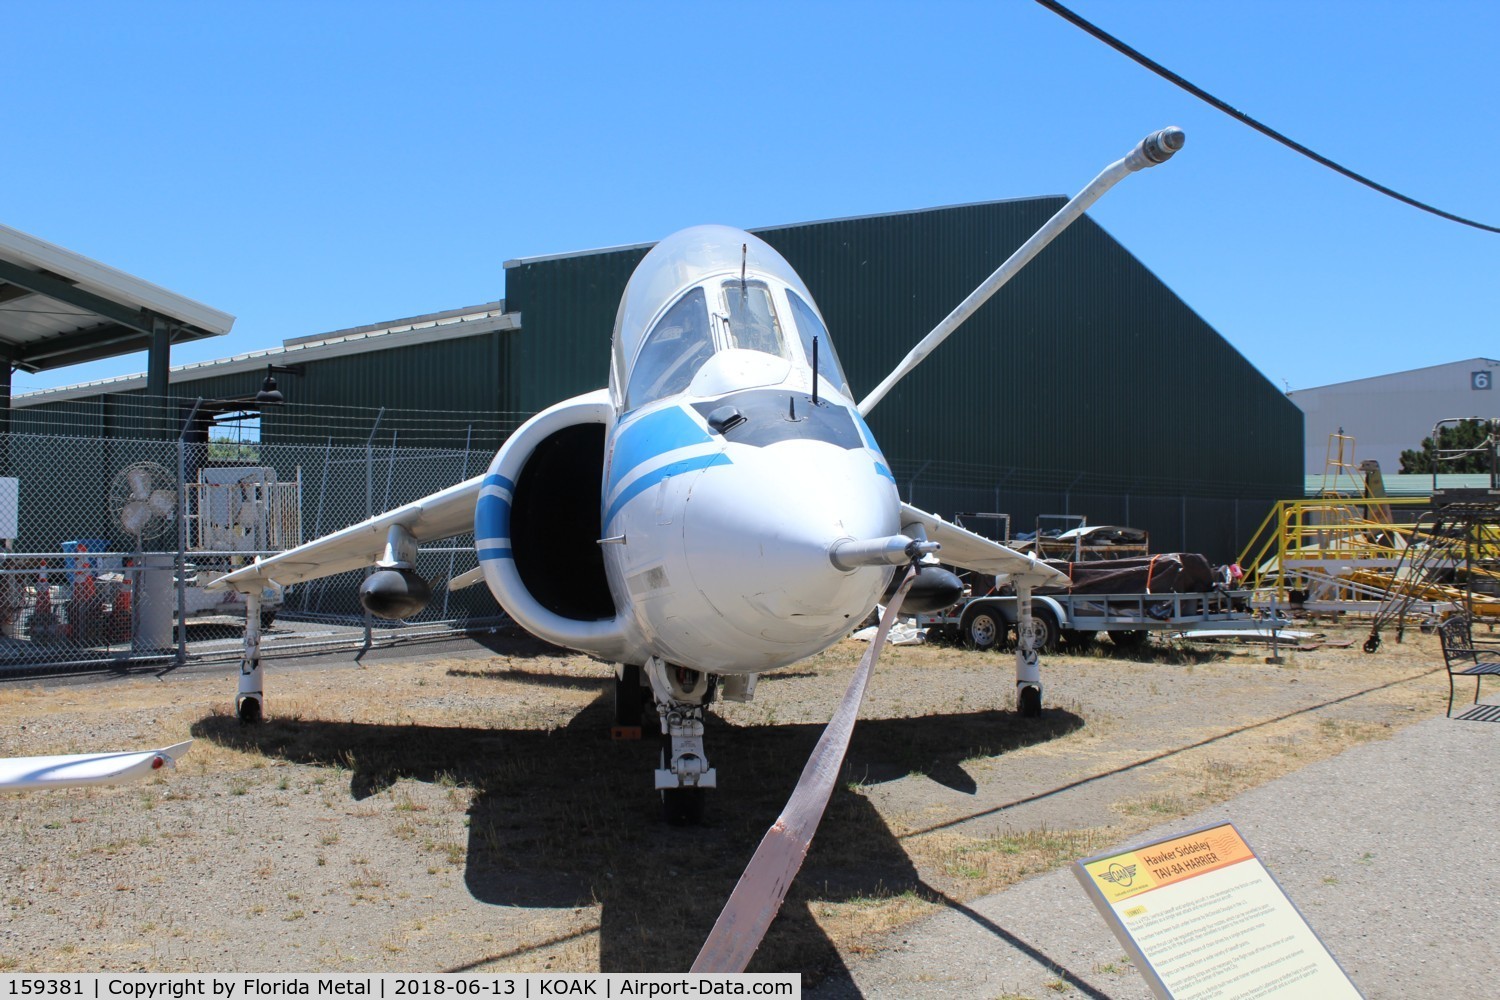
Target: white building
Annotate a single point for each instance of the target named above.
(1388, 414)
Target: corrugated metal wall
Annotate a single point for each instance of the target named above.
(567, 308)
(459, 374)
(1085, 376)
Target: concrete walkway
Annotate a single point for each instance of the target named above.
(1391, 850)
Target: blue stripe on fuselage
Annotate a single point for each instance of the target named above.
(645, 438)
(647, 480)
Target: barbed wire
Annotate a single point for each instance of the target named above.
(139, 416)
(1012, 478)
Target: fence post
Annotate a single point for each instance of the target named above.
(318, 521)
(463, 475)
(911, 484)
(182, 505)
(370, 509)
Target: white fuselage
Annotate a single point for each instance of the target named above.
(720, 549)
(718, 532)
(730, 472)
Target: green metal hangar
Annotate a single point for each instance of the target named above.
(1085, 387)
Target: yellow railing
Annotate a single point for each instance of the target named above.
(1334, 546)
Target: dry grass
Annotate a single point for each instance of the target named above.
(473, 815)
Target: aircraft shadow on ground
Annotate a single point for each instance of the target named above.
(515, 643)
(567, 818)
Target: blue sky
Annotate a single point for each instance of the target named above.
(312, 166)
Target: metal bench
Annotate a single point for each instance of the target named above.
(1464, 659)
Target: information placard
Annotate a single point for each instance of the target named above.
(1203, 919)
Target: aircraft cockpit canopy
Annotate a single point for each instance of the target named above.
(725, 311)
(809, 325)
(672, 354)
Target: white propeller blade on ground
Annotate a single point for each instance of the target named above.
(758, 895)
(74, 770)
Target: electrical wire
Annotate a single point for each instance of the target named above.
(1235, 113)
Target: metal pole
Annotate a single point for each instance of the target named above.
(463, 476)
(1157, 147)
(318, 518)
(158, 374)
(182, 505)
(370, 510)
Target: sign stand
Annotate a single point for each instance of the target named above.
(1201, 918)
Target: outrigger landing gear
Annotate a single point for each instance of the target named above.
(1028, 665)
(681, 697)
(249, 703)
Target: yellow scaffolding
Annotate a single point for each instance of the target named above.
(1330, 554)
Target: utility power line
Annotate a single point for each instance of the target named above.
(1235, 113)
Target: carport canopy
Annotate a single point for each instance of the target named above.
(61, 308)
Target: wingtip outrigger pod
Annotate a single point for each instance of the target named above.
(1157, 147)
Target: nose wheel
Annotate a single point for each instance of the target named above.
(682, 805)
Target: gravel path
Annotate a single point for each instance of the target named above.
(1387, 849)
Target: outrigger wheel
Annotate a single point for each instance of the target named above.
(1029, 701)
(250, 712)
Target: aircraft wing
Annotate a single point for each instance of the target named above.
(449, 512)
(73, 770)
(965, 549)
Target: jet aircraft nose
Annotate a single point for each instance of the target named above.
(758, 531)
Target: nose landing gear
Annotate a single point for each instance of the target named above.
(681, 696)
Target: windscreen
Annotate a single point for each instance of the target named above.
(752, 318)
(810, 326)
(673, 352)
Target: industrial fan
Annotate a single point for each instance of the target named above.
(142, 501)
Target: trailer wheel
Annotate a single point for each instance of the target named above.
(1132, 639)
(983, 628)
(1078, 640)
(1044, 630)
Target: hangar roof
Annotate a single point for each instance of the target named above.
(429, 328)
(59, 308)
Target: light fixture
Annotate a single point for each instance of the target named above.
(269, 395)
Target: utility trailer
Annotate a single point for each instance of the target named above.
(1075, 620)
(1102, 560)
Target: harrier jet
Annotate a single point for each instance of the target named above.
(721, 509)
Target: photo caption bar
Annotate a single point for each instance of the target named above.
(392, 986)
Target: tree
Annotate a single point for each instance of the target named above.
(1466, 434)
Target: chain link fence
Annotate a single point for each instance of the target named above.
(1214, 519)
(118, 511)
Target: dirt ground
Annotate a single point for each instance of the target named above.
(464, 809)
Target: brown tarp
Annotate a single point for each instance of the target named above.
(1167, 573)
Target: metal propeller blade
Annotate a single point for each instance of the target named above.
(761, 889)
